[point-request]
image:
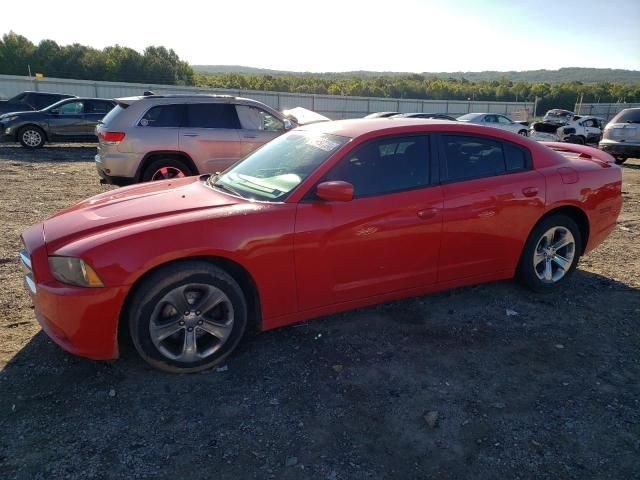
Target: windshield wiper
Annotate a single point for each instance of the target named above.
(226, 188)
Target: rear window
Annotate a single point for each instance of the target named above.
(630, 115)
(112, 114)
(212, 115)
(163, 116)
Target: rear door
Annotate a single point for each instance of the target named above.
(94, 111)
(258, 127)
(66, 121)
(492, 198)
(211, 136)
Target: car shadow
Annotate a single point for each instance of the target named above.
(345, 393)
(63, 153)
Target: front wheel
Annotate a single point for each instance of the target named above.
(524, 133)
(551, 253)
(31, 137)
(187, 317)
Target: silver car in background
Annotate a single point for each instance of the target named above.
(621, 136)
(495, 120)
(156, 137)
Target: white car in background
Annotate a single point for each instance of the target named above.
(495, 120)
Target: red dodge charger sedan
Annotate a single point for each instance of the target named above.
(325, 218)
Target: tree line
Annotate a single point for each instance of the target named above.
(163, 66)
(20, 56)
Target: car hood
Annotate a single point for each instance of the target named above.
(125, 206)
(21, 113)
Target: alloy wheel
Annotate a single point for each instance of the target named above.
(191, 322)
(554, 254)
(165, 173)
(32, 138)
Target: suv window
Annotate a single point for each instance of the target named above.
(97, 107)
(629, 115)
(252, 118)
(468, 157)
(163, 116)
(71, 108)
(384, 166)
(212, 115)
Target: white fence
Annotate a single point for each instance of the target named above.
(603, 110)
(333, 106)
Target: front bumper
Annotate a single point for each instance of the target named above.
(83, 321)
(621, 149)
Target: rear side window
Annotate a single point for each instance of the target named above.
(468, 157)
(97, 107)
(384, 166)
(630, 115)
(163, 116)
(212, 115)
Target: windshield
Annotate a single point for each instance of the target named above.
(469, 117)
(630, 115)
(273, 171)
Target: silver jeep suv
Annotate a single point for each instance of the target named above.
(621, 137)
(157, 137)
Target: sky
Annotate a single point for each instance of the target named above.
(344, 35)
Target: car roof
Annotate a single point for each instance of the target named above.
(359, 126)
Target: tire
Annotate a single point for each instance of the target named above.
(171, 339)
(577, 139)
(532, 268)
(166, 168)
(524, 133)
(31, 137)
(620, 160)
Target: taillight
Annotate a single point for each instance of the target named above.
(111, 137)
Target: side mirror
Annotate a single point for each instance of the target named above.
(288, 124)
(337, 191)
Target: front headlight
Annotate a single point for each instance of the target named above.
(74, 271)
(7, 118)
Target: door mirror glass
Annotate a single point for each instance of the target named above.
(288, 124)
(336, 191)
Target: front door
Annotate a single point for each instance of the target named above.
(491, 198)
(211, 136)
(67, 120)
(258, 127)
(386, 239)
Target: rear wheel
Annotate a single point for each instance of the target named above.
(620, 160)
(165, 169)
(577, 139)
(551, 253)
(31, 137)
(187, 317)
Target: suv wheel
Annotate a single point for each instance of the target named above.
(31, 137)
(187, 317)
(166, 168)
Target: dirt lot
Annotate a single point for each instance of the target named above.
(552, 392)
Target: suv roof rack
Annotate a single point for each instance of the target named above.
(149, 94)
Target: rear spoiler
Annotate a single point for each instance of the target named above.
(582, 151)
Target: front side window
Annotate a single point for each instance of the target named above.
(468, 157)
(71, 108)
(384, 166)
(212, 115)
(163, 116)
(274, 170)
(252, 118)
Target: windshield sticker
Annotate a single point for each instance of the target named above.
(321, 142)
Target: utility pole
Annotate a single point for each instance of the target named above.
(29, 68)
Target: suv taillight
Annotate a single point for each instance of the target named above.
(111, 137)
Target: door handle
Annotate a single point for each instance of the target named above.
(530, 191)
(250, 136)
(427, 213)
(190, 135)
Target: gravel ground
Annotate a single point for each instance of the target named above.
(446, 385)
